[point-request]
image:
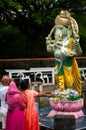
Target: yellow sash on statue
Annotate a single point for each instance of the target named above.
(76, 73)
(77, 77)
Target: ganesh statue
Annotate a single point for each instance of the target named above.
(63, 43)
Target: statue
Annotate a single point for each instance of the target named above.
(63, 43)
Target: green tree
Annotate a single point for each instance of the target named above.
(25, 24)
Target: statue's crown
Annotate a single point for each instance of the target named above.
(65, 14)
(63, 18)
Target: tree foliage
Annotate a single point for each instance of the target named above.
(25, 24)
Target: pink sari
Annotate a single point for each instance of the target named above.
(15, 114)
(31, 114)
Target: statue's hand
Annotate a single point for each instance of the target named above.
(64, 50)
(70, 53)
(67, 52)
(48, 39)
(76, 39)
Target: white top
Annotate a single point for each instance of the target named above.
(0, 85)
(3, 91)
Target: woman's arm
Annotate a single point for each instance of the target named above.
(42, 94)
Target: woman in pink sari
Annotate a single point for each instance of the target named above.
(15, 114)
(30, 112)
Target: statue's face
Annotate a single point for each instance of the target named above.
(62, 32)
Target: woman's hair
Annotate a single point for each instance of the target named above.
(6, 80)
(24, 84)
(17, 82)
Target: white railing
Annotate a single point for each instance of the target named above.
(83, 73)
(44, 75)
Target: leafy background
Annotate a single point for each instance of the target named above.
(24, 25)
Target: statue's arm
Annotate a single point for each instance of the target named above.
(76, 46)
(50, 44)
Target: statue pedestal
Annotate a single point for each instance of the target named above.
(64, 122)
(66, 108)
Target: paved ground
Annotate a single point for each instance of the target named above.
(43, 102)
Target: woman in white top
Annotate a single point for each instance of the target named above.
(4, 107)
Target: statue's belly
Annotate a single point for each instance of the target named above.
(58, 53)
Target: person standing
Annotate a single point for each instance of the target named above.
(30, 112)
(4, 107)
(15, 113)
(2, 73)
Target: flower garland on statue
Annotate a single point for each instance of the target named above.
(66, 95)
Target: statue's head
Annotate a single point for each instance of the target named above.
(63, 19)
(63, 26)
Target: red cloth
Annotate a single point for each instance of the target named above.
(31, 114)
